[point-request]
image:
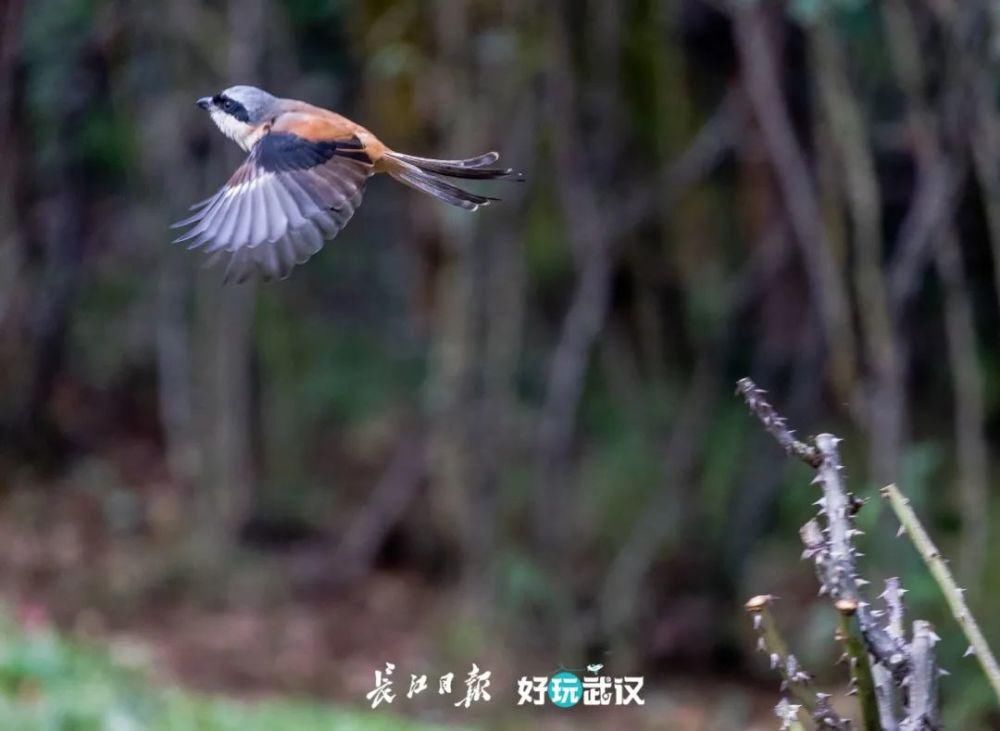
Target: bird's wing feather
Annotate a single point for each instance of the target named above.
(300, 184)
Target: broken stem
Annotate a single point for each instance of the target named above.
(923, 700)
(887, 691)
(861, 672)
(873, 682)
(887, 697)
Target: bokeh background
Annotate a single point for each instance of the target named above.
(507, 438)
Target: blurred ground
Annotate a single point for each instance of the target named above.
(253, 635)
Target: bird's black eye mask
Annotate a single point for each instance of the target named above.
(231, 107)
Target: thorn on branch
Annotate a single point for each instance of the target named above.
(794, 678)
(893, 597)
(788, 714)
(953, 595)
(774, 423)
(879, 662)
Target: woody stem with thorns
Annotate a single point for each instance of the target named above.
(794, 678)
(885, 668)
(834, 552)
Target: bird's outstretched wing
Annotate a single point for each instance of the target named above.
(298, 187)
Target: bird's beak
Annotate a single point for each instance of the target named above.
(205, 102)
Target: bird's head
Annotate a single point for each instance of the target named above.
(240, 112)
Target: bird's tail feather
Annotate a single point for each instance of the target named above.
(410, 174)
(473, 168)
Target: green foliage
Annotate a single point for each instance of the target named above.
(106, 143)
(810, 11)
(524, 583)
(109, 298)
(72, 119)
(50, 684)
(546, 251)
(298, 354)
(53, 34)
(617, 478)
(304, 12)
(723, 461)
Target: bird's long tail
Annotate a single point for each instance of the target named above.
(423, 174)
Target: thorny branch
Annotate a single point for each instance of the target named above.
(885, 663)
(775, 424)
(923, 713)
(788, 714)
(794, 678)
(862, 682)
(887, 693)
(952, 593)
(834, 556)
(886, 698)
(893, 597)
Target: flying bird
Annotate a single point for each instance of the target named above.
(302, 181)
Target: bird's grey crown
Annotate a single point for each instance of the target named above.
(258, 103)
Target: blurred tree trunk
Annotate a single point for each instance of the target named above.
(579, 166)
(14, 206)
(479, 285)
(174, 151)
(503, 269)
(754, 29)
(225, 324)
(941, 135)
(880, 401)
(451, 384)
(64, 196)
(12, 90)
(969, 415)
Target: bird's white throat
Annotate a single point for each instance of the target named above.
(239, 132)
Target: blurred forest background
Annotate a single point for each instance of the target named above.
(506, 438)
